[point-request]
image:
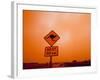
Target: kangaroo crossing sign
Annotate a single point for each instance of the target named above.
(51, 38)
(51, 50)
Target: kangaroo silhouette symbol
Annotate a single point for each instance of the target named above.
(52, 37)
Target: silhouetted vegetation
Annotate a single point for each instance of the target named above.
(74, 63)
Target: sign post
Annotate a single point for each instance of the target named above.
(50, 63)
(51, 50)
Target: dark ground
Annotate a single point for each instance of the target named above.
(55, 65)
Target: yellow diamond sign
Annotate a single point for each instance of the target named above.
(51, 38)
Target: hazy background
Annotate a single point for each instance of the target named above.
(73, 29)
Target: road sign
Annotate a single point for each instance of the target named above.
(51, 38)
(51, 51)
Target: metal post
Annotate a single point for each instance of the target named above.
(50, 64)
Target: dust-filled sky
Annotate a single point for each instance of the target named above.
(73, 29)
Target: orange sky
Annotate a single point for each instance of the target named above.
(73, 29)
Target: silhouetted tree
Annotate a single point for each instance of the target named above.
(74, 61)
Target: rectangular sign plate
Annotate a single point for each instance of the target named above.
(51, 51)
